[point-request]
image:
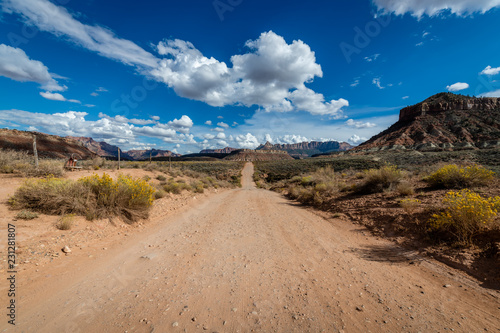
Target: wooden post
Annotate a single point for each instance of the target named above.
(170, 162)
(35, 152)
(150, 153)
(118, 158)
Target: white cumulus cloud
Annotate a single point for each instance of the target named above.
(359, 124)
(272, 74)
(418, 8)
(356, 139)
(247, 141)
(458, 86)
(16, 65)
(490, 71)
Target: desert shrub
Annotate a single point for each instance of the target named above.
(92, 196)
(410, 205)
(51, 196)
(65, 222)
(159, 194)
(453, 176)
(21, 162)
(176, 187)
(161, 178)
(54, 168)
(126, 194)
(314, 189)
(197, 187)
(10, 158)
(405, 188)
(466, 214)
(26, 215)
(378, 180)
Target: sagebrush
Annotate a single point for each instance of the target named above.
(93, 197)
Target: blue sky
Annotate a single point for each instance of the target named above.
(195, 74)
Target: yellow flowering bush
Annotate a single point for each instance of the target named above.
(453, 176)
(125, 193)
(409, 205)
(94, 196)
(466, 214)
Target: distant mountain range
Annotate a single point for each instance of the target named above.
(296, 150)
(226, 150)
(444, 121)
(106, 150)
(307, 149)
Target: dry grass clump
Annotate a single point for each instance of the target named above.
(26, 215)
(21, 162)
(65, 222)
(314, 189)
(466, 214)
(161, 178)
(92, 197)
(379, 180)
(453, 176)
(404, 188)
(176, 187)
(410, 205)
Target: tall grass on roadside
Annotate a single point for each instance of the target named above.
(465, 215)
(314, 189)
(453, 176)
(20, 162)
(92, 197)
(379, 180)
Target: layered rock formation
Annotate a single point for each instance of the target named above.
(258, 155)
(307, 149)
(226, 150)
(442, 122)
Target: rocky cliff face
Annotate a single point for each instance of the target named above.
(258, 155)
(100, 148)
(138, 155)
(50, 146)
(449, 102)
(307, 149)
(226, 150)
(442, 122)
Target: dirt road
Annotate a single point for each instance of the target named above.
(249, 260)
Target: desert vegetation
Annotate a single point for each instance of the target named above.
(93, 197)
(397, 200)
(100, 196)
(21, 163)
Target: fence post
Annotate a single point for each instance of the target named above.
(118, 158)
(35, 152)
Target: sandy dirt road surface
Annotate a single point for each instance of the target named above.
(248, 260)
